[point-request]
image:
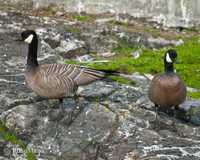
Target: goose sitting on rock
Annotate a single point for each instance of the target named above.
(167, 90)
(55, 81)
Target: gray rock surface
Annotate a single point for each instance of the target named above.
(109, 121)
(169, 13)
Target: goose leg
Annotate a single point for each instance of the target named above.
(62, 109)
(60, 115)
(156, 118)
(174, 117)
(69, 111)
(57, 114)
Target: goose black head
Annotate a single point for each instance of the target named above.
(28, 36)
(170, 56)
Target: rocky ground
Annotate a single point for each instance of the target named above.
(111, 121)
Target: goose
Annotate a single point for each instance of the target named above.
(55, 81)
(167, 90)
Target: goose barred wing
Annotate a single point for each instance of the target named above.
(78, 74)
(54, 83)
(86, 75)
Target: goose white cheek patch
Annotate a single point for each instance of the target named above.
(168, 59)
(29, 39)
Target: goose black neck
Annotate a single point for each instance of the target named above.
(32, 54)
(169, 67)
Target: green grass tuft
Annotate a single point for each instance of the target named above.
(124, 48)
(11, 137)
(73, 29)
(30, 155)
(122, 80)
(82, 18)
(195, 95)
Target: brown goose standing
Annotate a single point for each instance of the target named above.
(167, 90)
(55, 81)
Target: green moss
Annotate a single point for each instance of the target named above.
(30, 155)
(11, 137)
(124, 48)
(69, 61)
(82, 18)
(120, 23)
(122, 80)
(195, 95)
(73, 29)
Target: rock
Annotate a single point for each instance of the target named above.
(45, 49)
(140, 39)
(192, 109)
(21, 119)
(136, 54)
(99, 39)
(179, 42)
(59, 13)
(189, 89)
(125, 95)
(97, 90)
(104, 20)
(84, 58)
(53, 43)
(160, 42)
(71, 48)
(107, 54)
(188, 104)
(139, 79)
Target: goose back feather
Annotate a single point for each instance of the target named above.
(60, 80)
